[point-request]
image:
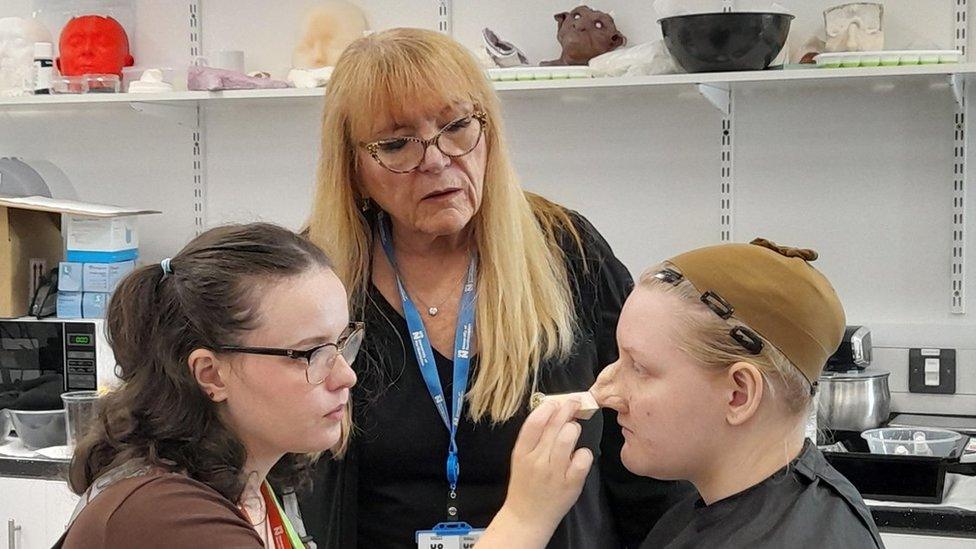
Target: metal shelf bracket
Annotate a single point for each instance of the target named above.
(719, 95)
(183, 115)
(957, 82)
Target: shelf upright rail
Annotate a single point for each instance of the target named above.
(199, 133)
(960, 171)
(727, 181)
(445, 19)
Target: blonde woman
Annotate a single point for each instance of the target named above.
(475, 294)
(720, 350)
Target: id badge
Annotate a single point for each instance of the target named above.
(449, 535)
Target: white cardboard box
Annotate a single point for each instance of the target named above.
(93, 234)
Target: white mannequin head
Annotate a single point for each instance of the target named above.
(16, 57)
(17, 38)
(328, 29)
(855, 27)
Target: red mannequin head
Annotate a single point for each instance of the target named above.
(92, 44)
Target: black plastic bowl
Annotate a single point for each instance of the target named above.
(734, 41)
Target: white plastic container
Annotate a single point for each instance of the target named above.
(874, 60)
(911, 58)
(891, 58)
(850, 61)
(912, 441)
(539, 73)
(43, 67)
(176, 77)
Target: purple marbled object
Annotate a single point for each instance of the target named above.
(211, 79)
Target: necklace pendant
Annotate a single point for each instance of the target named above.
(432, 311)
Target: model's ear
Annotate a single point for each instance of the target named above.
(745, 385)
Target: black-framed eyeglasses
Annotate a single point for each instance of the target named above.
(406, 154)
(320, 359)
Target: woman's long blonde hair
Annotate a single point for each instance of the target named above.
(525, 311)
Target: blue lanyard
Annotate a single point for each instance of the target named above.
(463, 341)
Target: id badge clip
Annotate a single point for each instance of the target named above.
(449, 535)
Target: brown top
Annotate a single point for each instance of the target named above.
(161, 510)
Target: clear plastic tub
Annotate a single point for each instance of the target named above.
(912, 441)
(103, 83)
(171, 75)
(39, 429)
(69, 84)
(79, 409)
(6, 425)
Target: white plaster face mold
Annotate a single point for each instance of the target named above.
(855, 27)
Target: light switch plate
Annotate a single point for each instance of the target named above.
(947, 371)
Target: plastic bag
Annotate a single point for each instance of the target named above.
(640, 60)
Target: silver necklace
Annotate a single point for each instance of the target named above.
(432, 310)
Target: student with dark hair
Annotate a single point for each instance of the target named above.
(227, 366)
(236, 362)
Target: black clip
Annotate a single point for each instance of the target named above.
(748, 339)
(669, 276)
(717, 304)
(813, 388)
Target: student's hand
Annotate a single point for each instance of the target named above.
(547, 478)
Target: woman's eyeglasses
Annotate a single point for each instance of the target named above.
(319, 360)
(406, 154)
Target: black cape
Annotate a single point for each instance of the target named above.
(807, 504)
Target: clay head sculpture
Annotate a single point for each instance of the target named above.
(585, 33)
(93, 44)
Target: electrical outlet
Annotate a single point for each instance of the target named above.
(932, 371)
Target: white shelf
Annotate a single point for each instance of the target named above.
(772, 77)
(745, 77)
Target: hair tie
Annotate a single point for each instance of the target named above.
(165, 265)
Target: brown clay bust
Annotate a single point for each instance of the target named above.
(585, 33)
